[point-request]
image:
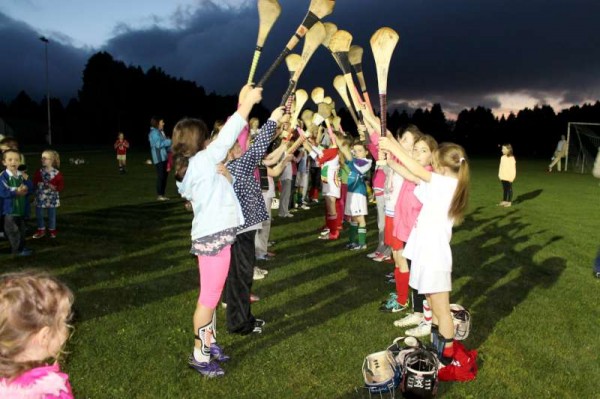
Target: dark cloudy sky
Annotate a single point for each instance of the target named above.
(503, 54)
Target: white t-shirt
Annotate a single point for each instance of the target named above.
(428, 246)
(391, 191)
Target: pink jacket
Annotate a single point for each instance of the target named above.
(46, 382)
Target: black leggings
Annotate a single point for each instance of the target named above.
(507, 187)
(161, 177)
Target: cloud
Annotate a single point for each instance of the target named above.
(23, 63)
(453, 52)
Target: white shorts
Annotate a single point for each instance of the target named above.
(301, 179)
(122, 157)
(356, 205)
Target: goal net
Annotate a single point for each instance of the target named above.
(584, 142)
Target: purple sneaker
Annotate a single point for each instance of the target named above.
(207, 369)
(217, 353)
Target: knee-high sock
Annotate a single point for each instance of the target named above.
(353, 233)
(401, 285)
(427, 315)
(362, 235)
(340, 213)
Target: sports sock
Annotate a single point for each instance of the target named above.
(202, 354)
(362, 236)
(427, 315)
(352, 234)
(401, 285)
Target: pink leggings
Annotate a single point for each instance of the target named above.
(213, 273)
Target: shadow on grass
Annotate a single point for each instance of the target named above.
(528, 196)
(121, 257)
(500, 272)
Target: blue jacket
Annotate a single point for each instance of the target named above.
(8, 194)
(159, 145)
(214, 202)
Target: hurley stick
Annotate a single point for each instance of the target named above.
(339, 83)
(339, 46)
(355, 55)
(325, 113)
(383, 43)
(317, 95)
(293, 62)
(314, 38)
(317, 10)
(268, 12)
(301, 98)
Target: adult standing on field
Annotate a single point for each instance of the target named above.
(159, 148)
(559, 153)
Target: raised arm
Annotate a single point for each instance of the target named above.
(217, 150)
(390, 145)
(402, 171)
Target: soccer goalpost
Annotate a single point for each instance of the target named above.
(583, 139)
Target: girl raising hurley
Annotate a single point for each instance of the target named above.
(444, 194)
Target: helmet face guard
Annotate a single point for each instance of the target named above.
(419, 374)
(380, 372)
(462, 321)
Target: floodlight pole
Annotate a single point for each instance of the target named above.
(45, 40)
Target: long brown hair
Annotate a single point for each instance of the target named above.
(29, 301)
(429, 140)
(453, 157)
(189, 136)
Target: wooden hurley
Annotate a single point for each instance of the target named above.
(268, 12)
(313, 40)
(340, 46)
(317, 10)
(317, 95)
(355, 56)
(325, 113)
(293, 62)
(383, 42)
(301, 97)
(339, 83)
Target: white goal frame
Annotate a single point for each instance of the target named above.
(569, 140)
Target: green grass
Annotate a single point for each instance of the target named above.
(524, 272)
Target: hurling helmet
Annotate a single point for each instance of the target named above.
(380, 372)
(462, 321)
(419, 374)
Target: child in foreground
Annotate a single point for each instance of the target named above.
(35, 309)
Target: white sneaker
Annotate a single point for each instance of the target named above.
(373, 255)
(262, 271)
(305, 207)
(422, 330)
(409, 320)
(257, 275)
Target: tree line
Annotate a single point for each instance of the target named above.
(115, 97)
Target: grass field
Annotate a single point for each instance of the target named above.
(524, 272)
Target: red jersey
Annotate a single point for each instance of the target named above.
(121, 146)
